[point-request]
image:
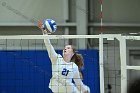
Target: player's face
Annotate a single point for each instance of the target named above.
(68, 50)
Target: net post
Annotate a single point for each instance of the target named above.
(122, 41)
(101, 65)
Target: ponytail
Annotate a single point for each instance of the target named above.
(78, 60)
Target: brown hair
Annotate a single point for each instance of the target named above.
(77, 59)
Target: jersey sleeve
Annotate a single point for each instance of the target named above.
(78, 82)
(51, 52)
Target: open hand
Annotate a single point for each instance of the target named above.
(40, 24)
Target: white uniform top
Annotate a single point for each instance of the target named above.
(62, 75)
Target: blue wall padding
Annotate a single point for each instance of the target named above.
(29, 71)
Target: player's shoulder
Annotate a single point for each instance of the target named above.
(59, 56)
(59, 59)
(74, 65)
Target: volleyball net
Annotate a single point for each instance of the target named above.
(120, 57)
(109, 66)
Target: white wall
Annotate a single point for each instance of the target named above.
(25, 11)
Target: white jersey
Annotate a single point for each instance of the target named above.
(62, 75)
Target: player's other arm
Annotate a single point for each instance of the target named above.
(51, 52)
(79, 84)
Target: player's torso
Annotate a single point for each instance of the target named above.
(62, 74)
(63, 69)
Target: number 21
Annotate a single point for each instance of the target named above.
(65, 72)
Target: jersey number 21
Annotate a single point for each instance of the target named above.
(65, 72)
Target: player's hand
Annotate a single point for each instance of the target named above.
(40, 24)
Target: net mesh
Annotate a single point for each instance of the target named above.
(26, 68)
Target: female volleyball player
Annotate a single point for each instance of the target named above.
(64, 70)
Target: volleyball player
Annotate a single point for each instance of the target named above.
(64, 69)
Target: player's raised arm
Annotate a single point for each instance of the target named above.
(51, 52)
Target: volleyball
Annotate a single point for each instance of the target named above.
(49, 25)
